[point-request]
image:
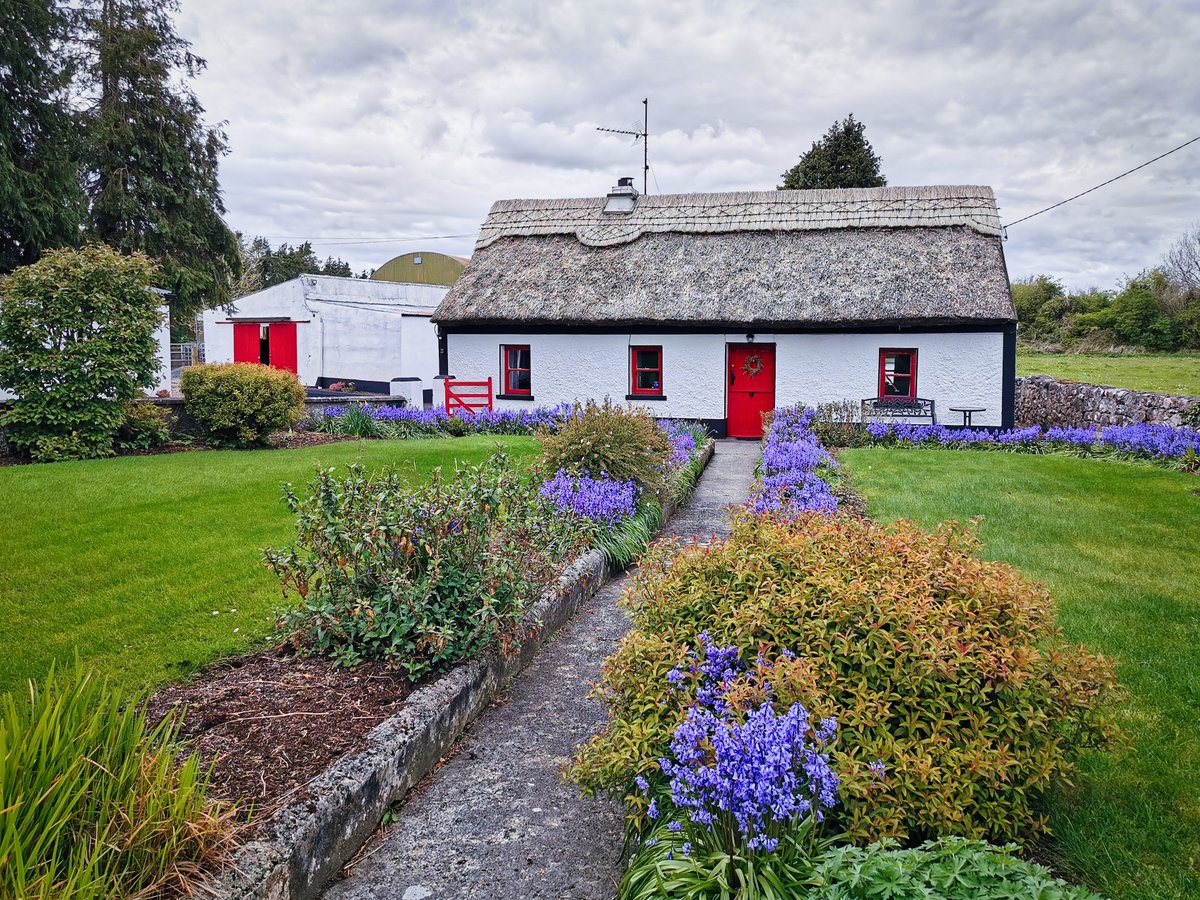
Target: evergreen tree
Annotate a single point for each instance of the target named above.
(150, 170)
(41, 205)
(263, 267)
(843, 158)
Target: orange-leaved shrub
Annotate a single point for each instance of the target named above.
(948, 668)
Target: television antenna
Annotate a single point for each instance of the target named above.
(643, 136)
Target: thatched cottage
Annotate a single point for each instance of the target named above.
(720, 306)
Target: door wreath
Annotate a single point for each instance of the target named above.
(753, 365)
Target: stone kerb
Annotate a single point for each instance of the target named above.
(1045, 401)
(306, 844)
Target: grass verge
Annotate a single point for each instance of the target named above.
(1116, 543)
(138, 563)
(1164, 373)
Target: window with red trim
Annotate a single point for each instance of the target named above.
(897, 373)
(514, 363)
(646, 370)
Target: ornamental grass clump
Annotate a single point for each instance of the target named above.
(947, 668)
(419, 578)
(95, 802)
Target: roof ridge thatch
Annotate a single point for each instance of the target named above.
(937, 206)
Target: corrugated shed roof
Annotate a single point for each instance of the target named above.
(878, 256)
(935, 206)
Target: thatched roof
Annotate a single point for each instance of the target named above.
(776, 258)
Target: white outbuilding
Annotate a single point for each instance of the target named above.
(374, 334)
(718, 307)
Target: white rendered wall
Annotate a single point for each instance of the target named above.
(953, 369)
(351, 329)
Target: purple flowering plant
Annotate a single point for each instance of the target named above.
(747, 785)
(602, 500)
(794, 468)
(1179, 447)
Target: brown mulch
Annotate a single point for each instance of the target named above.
(273, 721)
(293, 440)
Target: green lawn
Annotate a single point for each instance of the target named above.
(1118, 544)
(127, 560)
(1165, 373)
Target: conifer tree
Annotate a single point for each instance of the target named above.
(150, 164)
(41, 205)
(843, 158)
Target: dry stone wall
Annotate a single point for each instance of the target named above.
(1042, 400)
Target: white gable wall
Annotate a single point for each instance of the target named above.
(953, 369)
(350, 329)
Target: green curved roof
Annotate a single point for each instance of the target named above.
(421, 267)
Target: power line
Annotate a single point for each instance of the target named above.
(350, 241)
(1103, 183)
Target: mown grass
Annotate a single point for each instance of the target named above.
(150, 567)
(1117, 545)
(1164, 373)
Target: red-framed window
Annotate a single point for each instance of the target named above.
(646, 370)
(514, 366)
(897, 373)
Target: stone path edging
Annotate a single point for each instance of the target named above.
(307, 843)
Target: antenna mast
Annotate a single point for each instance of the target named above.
(644, 137)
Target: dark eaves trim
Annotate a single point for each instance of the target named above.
(643, 327)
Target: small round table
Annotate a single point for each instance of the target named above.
(967, 412)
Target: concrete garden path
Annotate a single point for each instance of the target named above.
(497, 820)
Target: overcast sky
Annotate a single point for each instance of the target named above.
(382, 121)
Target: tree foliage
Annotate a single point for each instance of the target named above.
(843, 158)
(150, 162)
(76, 344)
(41, 204)
(264, 267)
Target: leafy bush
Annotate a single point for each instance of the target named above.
(145, 426)
(839, 424)
(93, 802)
(949, 869)
(419, 578)
(76, 344)
(622, 442)
(241, 404)
(947, 668)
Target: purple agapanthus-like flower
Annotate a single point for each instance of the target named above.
(603, 500)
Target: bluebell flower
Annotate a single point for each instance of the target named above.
(642, 783)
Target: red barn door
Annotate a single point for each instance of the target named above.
(282, 336)
(246, 345)
(750, 387)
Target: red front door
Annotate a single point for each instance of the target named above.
(750, 387)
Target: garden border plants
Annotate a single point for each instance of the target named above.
(305, 844)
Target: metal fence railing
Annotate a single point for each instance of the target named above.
(184, 355)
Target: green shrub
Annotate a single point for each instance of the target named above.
(947, 668)
(145, 426)
(949, 869)
(623, 442)
(93, 802)
(420, 578)
(241, 404)
(839, 424)
(76, 344)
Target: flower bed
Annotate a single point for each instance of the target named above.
(360, 420)
(958, 704)
(1178, 447)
